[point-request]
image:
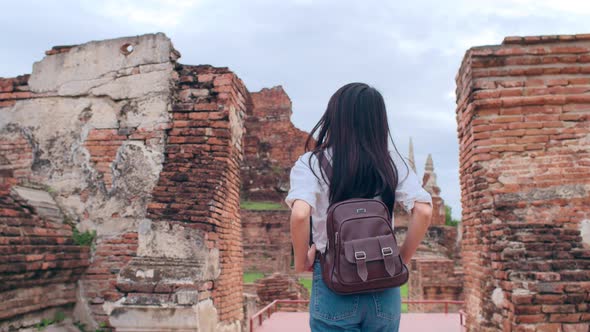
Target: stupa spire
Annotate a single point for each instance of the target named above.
(411, 156)
(429, 179)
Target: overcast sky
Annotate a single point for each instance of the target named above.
(409, 50)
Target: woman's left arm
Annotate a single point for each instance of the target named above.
(302, 199)
(304, 255)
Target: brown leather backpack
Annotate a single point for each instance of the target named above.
(362, 254)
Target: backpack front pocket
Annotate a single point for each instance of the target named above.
(373, 257)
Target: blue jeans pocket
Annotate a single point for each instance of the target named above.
(388, 303)
(327, 305)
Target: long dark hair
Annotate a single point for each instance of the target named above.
(355, 127)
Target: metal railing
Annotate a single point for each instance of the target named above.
(269, 308)
(274, 307)
(461, 320)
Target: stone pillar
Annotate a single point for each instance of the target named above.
(524, 131)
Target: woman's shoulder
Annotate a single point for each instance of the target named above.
(305, 160)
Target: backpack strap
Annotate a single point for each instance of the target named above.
(360, 257)
(325, 164)
(310, 232)
(388, 258)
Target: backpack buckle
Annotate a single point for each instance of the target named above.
(387, 251)
(359, 255)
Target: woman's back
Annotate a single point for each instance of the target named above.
(353, 134)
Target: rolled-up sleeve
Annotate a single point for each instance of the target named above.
(303, 184)
(409, 189)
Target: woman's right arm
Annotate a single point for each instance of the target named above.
(417, 202)
(419, 222)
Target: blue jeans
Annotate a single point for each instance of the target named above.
(367, 312)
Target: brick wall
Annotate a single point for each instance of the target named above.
(100, 279)
(523, 126)
(199, 184)
(543, 272)
(279, 286)
(435, 278)
(272, 144)
(146, 152)
(38, 256)
(267, 241)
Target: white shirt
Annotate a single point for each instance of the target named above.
(305, 186)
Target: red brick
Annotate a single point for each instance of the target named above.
(505, 171)
(582, 327)
(565, 318)
(562, 308)
(527, 319)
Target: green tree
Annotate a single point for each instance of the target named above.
(449, 221)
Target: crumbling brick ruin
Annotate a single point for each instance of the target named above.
(272, 144)
(266, 241)
(523, 112)
(282, 287)
(116, 136)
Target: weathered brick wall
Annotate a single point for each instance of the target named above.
(38, 259)
(38, 256)
(272, 144)
(544, 272)
(195, 205)
(146, 152)
(266, 241)
(99, 280)
(523, 126)
(435, 278)
(280, 286)
(203, 166)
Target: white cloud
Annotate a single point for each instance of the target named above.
(159, 14)
(527, 8)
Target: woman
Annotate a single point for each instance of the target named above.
(353, 133)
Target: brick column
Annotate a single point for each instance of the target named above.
(190, 247)
(524, 130)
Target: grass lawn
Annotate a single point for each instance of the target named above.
(250, 277)
(261, 206)
(306, 283)
(404, 291)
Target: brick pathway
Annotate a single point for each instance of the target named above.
(299, 322)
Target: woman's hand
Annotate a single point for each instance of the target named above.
(310, 259)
